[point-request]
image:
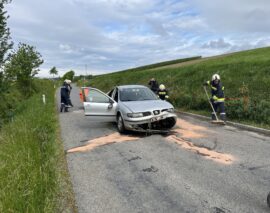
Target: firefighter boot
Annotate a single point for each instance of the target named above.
(223, 116)
(62, 107)
(213, 117)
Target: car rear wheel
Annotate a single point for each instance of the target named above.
(120, 124)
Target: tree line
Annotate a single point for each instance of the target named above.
(18, 67)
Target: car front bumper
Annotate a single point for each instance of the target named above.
(150, 122)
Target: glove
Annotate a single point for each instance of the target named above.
(206, 83)
(215, 98)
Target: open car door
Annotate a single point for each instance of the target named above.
(98, 106)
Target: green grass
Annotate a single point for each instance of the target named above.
(162, 64)
(244, 74)
(33, 174)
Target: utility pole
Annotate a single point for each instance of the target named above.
(85, 69)
(84, 77)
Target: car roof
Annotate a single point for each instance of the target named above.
(131, 86)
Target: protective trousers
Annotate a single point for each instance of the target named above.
(219, 106)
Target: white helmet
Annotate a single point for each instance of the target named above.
(67, 81)
(161, 87)
(215, 77)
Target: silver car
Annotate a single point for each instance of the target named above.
(132, 107)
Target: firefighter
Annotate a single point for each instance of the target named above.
(218, 98)
(69, 87)
(162, 92)
(153, 85)
(64, 94)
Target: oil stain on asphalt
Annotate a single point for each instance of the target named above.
(179, 135)
(151, 169)
(134, 158)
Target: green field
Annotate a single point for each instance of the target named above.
(245, 75)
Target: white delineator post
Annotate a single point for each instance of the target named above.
(44, 99)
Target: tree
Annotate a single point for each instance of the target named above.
(69, 75)
(53, 71)
(23, 65)
(5, 46)
(5, 43)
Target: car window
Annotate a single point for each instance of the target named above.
(110, 93)
(137, 94)
(95, 96)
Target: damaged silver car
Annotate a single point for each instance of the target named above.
(132, 107)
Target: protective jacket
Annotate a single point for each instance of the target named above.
(153, 86)
(64, 92)
(217, 91)
(162, 94)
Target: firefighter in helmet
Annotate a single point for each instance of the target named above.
(153, 84)
(162, 92)
(218, 98)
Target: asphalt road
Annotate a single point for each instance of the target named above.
(200, 168)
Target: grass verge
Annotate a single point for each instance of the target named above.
(33, 173)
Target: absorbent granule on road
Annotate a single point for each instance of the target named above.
(209, 154)
(189, 130)
(104, 140)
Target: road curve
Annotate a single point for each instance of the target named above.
(198, 168)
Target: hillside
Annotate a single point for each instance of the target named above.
(245, 75)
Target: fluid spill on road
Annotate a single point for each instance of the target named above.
(189, 130)
(209, 154)
(104, 140)
(180, 135)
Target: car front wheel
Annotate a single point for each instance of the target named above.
(120, 124)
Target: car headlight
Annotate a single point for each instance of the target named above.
(135, 115)
(170, 110)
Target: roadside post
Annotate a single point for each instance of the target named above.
(44, 99)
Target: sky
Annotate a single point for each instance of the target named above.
(102, 36)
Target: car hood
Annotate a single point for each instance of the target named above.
(143, 106)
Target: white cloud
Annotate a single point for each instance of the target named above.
(217, 44)
(111, 35)
(236, 16)
(65, 48)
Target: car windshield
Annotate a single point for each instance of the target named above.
(137, 94)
